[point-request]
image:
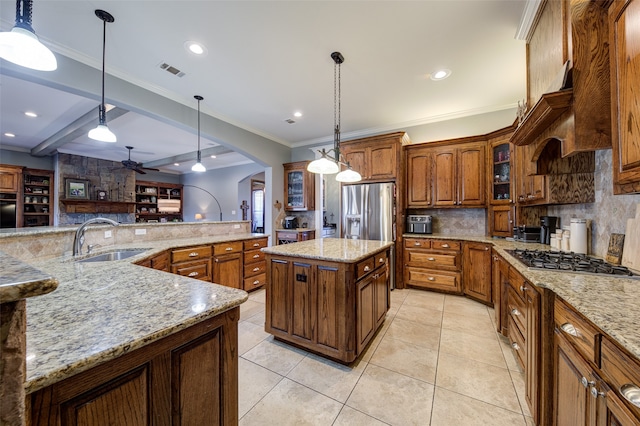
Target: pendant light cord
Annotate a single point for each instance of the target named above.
(24, 13)
(102, 113)
(336, 108)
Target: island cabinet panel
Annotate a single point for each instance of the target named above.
(366, 314)
(278, 295)
(302, 291)
(329, 305)
(187, 378)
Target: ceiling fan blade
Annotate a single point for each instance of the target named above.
(142, 172)
(150, 168)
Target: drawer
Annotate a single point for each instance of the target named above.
(622, 372)
(193, 253)
(254, 282)
(199, 269)
(255, 269)
(226, 248)
(517, 282)
(432, 279)
(428, 259)
(417, 242)
(446, 245)
(380, 259)
(578, 330)
(517, 343)
(255, 244)
(253, 256)
(287, 235)
(364, 267)
(517, 310)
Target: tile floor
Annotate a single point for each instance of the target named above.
(437, 360)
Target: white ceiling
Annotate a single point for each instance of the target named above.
(267, 59)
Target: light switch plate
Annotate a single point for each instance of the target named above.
(236, 226)
(141, 232)
(108, 234)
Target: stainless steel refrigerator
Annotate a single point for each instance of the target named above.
(368, 213)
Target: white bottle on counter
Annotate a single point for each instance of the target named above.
(566, 241)
(579, 235)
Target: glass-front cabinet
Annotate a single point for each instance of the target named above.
(299, 187)
(501, 187)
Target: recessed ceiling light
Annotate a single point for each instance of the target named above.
(195, 48)
(213, 156)
(297, 114)
(30, 114)
(10, 135)
(176, 164)
(440, 75)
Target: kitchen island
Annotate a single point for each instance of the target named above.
(329, 295)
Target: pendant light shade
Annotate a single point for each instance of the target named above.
(327, 164)
(198, 167)
(21, 45)
(101, 132)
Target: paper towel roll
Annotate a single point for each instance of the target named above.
(578, 242)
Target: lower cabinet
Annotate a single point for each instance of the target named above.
(227, 264)
(255, 267)
(331, 308)
(193, 262)
(433, 264)
(499, 278)
(287, 237)
(476, 271)
(187, 378)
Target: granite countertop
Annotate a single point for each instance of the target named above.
(102, 310)
(611, 303)
(330, 249)
(295, 229)
(21, 281)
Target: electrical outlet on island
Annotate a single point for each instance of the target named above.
(141, 232)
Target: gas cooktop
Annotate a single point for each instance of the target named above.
(569, 262)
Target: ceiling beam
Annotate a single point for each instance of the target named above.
(189, 156)
(72, 131)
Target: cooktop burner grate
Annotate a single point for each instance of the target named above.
(569, 262)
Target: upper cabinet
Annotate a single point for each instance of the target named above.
(568, 78)
(376, 158)
(624, 16)
(419, 159)
(299, 187)
(10, 178)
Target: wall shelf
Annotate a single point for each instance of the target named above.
(95, 206)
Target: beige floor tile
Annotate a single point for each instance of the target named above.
(392, 397)
(350, 417)
(473, 347)
(413, 332)
(463, 305)
(290, 403)
(420, 314)
(450, 408)
(398, 296)
(406, 358)
(529, 421)
(259, 296)
(257, 319)
(425, 299)
(249, 335)
(254, 382)
(519, 384)
(250, 308)
(275, 356)
(509, 355)
(478, 325)
(477, 380)
(327, 377)
(372, 346)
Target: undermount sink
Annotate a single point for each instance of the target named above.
(113, 255)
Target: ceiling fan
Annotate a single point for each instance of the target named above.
(134, 165)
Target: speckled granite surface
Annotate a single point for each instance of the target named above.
(331, 249)
(103, 310)
(611, 303)
(20, 281)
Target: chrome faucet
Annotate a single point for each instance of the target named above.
(79, 238)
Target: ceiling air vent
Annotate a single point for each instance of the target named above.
(290, 121)
(173, 70)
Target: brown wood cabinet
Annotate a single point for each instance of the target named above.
(377, 159)
(189, 377)
(291, 236)
(419, 160)
(476, 272)
(255, 266)
(459, 176)
(10, 177)
(624, 16)
(227, 264)
(148, 205)
(192, 262)
(500, 282)
(501, 220)
(37, 197)
(299, 187)
(330, 308)
(433, 264)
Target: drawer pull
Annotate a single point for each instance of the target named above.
(256, 282)
(256, 269)
(486, 249)
(193, 254)
(367, 269)
(256, 244)
(515, 346)
(445, 245)
(381, 260)
(595, 393)
(586, 383)
(432, 259)
(193, 274)
(523, 288)
(515, 312)
(568, 328)
(417, 244)
(431, 279)
(631, 393)
(255, 256)
(229, 249)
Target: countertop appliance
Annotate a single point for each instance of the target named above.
(368, 214)
(290, 222)
(547, 227)
(419, 224)
(527, 234)
(569, 262)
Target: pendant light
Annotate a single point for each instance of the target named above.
(327, 164)
(198, 167)
(21, 45)
(102, 132)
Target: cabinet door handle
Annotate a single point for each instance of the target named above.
(367, 269)
(256, 282)
(515, 346)
(569, 328)
(431, 279)
(630, 392)
(445, 245)
(193, 274)
(432, 259)
(515, 312)
(586, 383)
(193, 254)
(229, 249)
(255, 256)
(256, 269)
(523, 288)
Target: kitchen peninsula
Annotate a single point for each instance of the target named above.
(115, 331)
(329, 295)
